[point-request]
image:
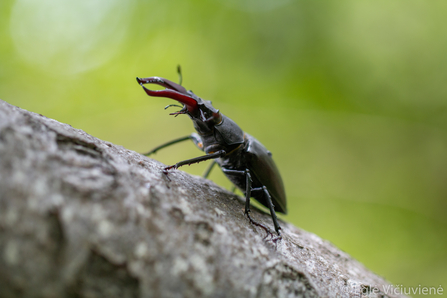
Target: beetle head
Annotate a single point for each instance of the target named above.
(201, 111)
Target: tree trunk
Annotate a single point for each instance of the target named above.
(81, 217)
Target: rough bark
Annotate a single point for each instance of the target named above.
(81, 217)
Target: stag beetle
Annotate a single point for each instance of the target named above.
(242, 158)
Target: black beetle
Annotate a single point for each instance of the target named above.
(242, 158)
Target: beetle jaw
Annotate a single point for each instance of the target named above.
(197, 108)
(172, 90)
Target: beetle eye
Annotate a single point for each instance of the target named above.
(216, 118)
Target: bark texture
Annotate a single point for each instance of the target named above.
(81, 217)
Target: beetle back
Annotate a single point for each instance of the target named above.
(264, 169)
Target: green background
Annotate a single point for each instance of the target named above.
(350, 96)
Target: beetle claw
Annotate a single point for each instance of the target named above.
(166, 175)
(266, 229)
(255, 223)
(166, 171)
(276, 239)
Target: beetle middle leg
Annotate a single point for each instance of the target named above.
(248, 191)
(272, 212)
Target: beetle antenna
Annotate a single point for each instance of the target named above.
(179, 71)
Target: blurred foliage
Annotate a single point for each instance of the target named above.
(350, 97)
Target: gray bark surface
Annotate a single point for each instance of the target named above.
(81, 217)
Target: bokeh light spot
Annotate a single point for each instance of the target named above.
(67, 37)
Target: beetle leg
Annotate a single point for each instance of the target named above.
(208, 170)
(248, 190)
(233, 172)
(272, 212)
(191, 161)
(267, 230)
(271, 207)
(167, 145)
(197, 140)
